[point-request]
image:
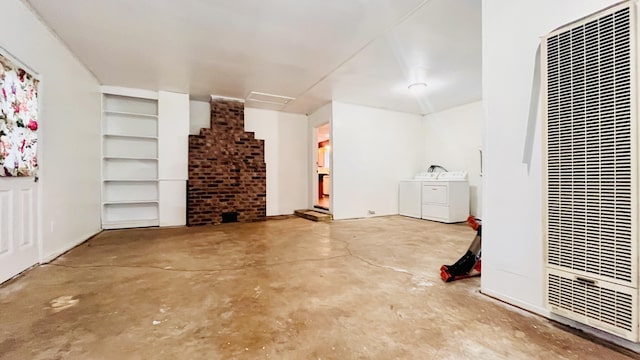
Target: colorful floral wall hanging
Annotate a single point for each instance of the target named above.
(18, 120)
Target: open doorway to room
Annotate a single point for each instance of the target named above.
(322, 147)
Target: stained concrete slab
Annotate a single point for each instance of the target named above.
(280, 289)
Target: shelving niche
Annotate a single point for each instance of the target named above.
(130, 191)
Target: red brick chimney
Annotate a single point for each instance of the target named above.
(227, 173)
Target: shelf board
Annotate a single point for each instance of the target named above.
(118, 92)
(128, 158)
(131, 136)
(129, 224)
(130, 180)
(111, 112)
(130, 202)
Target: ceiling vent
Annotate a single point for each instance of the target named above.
(269, 99)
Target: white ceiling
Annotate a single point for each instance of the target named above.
(355, 51)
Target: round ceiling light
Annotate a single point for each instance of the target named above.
(418, 87)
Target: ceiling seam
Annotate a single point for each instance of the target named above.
(359, 50)
(379, 107)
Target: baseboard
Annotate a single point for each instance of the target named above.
(517, 303)
(54, 255)
(595, 333)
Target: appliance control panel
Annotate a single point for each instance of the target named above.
(427, 176)
(442, 176)
(453, 176)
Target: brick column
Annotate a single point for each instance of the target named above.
(227, 172)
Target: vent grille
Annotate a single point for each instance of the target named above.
(589, 170)
(269, 98)
(589, 300)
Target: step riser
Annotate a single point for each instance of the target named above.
(313, 215)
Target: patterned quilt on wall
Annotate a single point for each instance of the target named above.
(18, 120)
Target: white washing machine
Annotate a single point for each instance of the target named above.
(440, 197)
(409, 198)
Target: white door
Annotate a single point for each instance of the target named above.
(18, 226)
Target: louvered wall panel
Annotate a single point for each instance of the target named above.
(589, 148)
(600, 304)
(590, 159)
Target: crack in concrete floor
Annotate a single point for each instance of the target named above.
(300, 297)
(239, 268)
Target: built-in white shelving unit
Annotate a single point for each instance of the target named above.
(130, 190)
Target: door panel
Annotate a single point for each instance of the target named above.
(18, 225)
(5, 224)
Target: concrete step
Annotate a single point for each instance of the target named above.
(312, 215)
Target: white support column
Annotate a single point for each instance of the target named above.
(173, 154)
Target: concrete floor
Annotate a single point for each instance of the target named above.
(280, 289)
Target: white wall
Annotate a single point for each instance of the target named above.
(512, 264)
(373, 150)
(452, 139)
(285, 148)
(69, 134)
(293, 177)
(199, 116)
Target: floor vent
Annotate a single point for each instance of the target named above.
(229, 217)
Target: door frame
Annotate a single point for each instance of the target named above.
(314, 168)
